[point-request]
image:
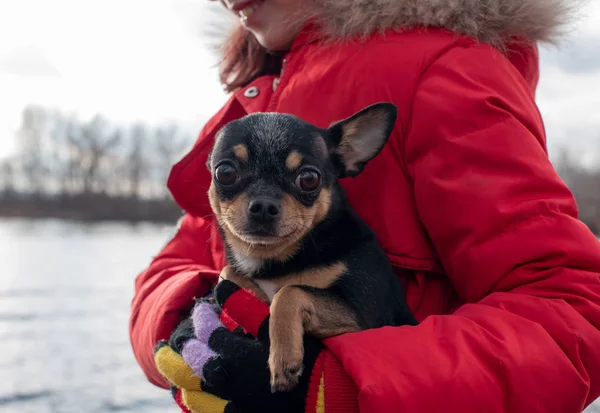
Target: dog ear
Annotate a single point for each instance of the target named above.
(356, 140)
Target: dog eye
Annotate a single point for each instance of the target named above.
(226, 174)
(308, 181)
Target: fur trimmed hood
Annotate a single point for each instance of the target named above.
(490, 21)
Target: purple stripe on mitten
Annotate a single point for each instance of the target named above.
(205, 321)
(196, 354)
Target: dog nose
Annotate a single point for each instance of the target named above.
(264, 209)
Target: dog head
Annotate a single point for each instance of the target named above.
(274, 175)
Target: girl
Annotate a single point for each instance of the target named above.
(501, 274)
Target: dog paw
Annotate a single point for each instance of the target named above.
(285, 372)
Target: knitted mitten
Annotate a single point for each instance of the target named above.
(186, 386)
(227, 356)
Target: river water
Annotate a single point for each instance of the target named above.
(65, 292)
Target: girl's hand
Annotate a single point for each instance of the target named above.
(217, 361)
(186, 386)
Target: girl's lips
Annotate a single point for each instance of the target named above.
(244, 8)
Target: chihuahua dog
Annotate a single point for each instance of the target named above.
(292, 238)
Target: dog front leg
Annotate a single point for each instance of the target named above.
(297, 310)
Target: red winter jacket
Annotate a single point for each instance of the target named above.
(503, 277)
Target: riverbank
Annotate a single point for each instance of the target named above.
(90, 208)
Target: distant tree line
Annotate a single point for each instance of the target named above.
(585, 185)
(90, 170)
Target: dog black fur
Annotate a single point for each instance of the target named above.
(281, 211)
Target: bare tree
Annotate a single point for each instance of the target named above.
(136, 159)
(7, 178)
(58, 153)
(30, 143)
(169, 145)
(74, 158)
(96, 142)
(585, 186)
(109, 175)
(97, 172)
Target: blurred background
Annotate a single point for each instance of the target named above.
(98, 98)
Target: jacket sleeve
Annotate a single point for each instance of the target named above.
(165, 291)
(505, 228)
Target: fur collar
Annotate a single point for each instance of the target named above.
(490, 21)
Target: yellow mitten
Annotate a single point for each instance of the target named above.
(186, 385)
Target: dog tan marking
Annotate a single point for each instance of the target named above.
(241, 152)
(322, 206)
(321, 277)
(293, 161)
(295, 312)
(231, 216)
(277, 251)
(213, 200)
(300, 218)
(227, 212)
(296, 222)
(230, 274)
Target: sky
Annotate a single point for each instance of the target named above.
(148, 60)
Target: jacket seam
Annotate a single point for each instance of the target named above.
(444, 52)
(546, 209)
(461, 43)
(553, 304)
